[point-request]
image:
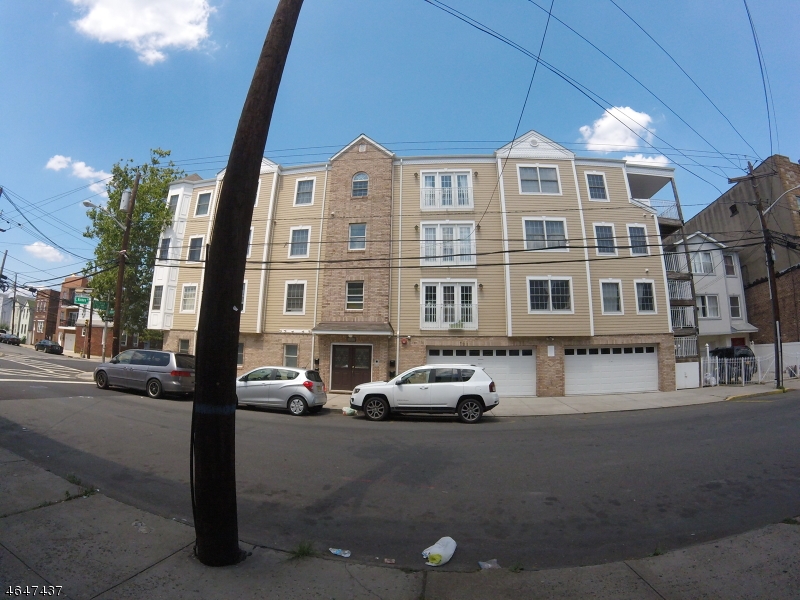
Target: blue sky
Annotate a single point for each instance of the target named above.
(90, 82)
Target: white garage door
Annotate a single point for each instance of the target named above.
(610, 370)
(512, 369)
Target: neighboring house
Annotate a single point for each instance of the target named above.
(719, 293)
(23, 317)
(69, 311)
(733, 220)
(543, 267)
(45, 316)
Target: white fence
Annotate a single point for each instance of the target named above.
(747, 370)
(791, 360)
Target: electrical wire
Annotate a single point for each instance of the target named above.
(762, 67)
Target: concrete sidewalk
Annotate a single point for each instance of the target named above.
(569, 405)
(55, 532)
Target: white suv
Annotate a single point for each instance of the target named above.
(462, 389)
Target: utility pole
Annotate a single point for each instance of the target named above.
(123, 255)
(14, 303)
(3, 264)
(773, 283)
(105, 327)
(213, 466)
(89, 334)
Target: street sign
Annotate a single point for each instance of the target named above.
(81, 300)
(100, 305)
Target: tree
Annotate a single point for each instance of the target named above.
(151, 216)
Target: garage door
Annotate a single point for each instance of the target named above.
(610, 370)
(512, 369)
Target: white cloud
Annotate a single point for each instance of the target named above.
(80, 170)
(659, 161)
(58, 162)
(44, 252)
(147, 26)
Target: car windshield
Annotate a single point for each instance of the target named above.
(184, 361)
(313, 376)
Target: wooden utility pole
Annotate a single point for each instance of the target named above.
(213, 468)
(121, 269)
(773, 283)
(89, 334)
(14, 303)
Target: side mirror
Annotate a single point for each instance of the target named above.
(243, 378)
(114, 361)
(399, 382)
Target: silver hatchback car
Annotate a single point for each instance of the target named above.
(155, 371)
(298, 390)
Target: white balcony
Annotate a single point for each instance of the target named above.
(676, 262)
(666, 209)
(682, 317)
(685, 346)
(447, 198)
(447, 253)
(452, 317)
(680, 289)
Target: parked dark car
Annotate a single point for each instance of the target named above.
(48, 347)
(9, 338)
(734, 362)
(732, 352)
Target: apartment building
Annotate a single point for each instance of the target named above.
(544, 267)
(45, 316)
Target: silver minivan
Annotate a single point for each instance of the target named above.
(155, 371)
(298, 390)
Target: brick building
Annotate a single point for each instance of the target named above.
(45, 317)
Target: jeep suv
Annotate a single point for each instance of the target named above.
(465, 390)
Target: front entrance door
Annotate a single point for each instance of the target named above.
(351, 365)
(738, 342)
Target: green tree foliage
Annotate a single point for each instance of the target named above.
(151, 215)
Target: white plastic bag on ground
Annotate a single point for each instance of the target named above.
(440, 553)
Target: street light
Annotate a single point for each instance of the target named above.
(90, 204)
(781, 196)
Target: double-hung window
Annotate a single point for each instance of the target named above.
(638, 238)
(250, 243)
(708, 307)
(354, 295)
(549, 294)
(304, 193)
(597, 186)
(203, 200)
(611, 294)
(645, 298)
(447, 190)
(188, 297)
(195, 249)
(702, 263)
(360, 185)
(538, 180)
(448, 305)
(163, 251)
(244, 295)
(730, 265)
(290, 355)
(358, 236)
(448, 244)
(545, 234)
(736, 307)
(295, 298)
(158, 292)
(173, 204)
(604, 239)
(298, 247)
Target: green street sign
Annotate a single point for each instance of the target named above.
(100, 305)
(82, 300)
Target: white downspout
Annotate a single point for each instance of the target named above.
(399, 269)
(506, 255)
(585, 248)
(319, 254)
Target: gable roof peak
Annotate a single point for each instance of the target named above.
(534, 145)
(363, 138)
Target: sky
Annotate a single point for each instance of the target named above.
(87, 83)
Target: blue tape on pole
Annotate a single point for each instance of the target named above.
(215, 409)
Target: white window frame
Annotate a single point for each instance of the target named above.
(699, 254)
(123, 338)
(621, 310)
(636, 295)
(297, 187)
(174, 213)
(238, 363)
(546, 249)
(739, 306)
(549, 278)
(188, 345)
(350, 238)
(630, 239)
(160, 299)
(352, 185)
(588, 187)
(183, 292)
(308, 242)
(250, 243)
(286, 292)
(459, 259)
(160, 247)
(704, 307)
(244, 295)
(537, 166)
(258, 191)
(437, 205)
(295, 356)
(439, 323)
(189, 249)
(597, 240)
(347, 295)
(725, 266)
(210, 201)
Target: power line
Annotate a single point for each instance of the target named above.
(763, 68)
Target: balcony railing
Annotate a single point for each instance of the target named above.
(685, 346)
(682, 317)
(454, 253)
(679, 289)
(447, 197)
(448, 316)
(666, 209)
(676, 262)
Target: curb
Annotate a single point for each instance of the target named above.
(769, 393)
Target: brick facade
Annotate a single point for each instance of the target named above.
(759, 308)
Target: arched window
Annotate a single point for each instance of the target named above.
(360, 185)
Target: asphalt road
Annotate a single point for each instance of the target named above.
(537, 491)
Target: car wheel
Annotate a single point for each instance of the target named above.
(314, 409)
(376, 409)
(470, 410)
(101, 379)
(154, 388)
(297, 406)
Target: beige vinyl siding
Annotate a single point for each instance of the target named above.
(191, 273)
(282, 268)
(620, 212)
(489, 270)
(249, 318)
(538, 263)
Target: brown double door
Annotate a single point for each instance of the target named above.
(352, 365)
